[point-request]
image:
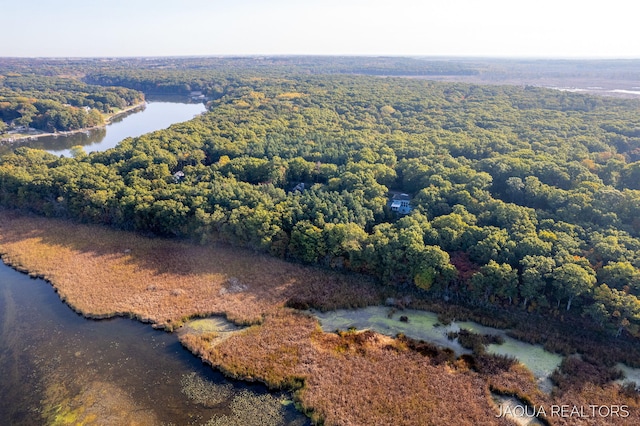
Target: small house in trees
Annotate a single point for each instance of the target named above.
(401, 204)
(197, 95)
(178, 176)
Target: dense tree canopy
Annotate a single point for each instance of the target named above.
(522, 197)
(58, 104)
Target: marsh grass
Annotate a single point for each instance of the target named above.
(489, 364)
(574, 372)
(357, 378)
(474, 341)
(435, 354)
(582, 391)
(349, 378)
(101, 272)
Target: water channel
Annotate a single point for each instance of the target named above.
(422, 325)
(57, 367)
(60, 368)
(158, 113)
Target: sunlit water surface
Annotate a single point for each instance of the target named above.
(157, 114)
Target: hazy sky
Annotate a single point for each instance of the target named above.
(537, 28)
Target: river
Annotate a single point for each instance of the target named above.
(57, 367)
(158, 113)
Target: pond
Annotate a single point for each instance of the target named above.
(60, 368)
(422, 325)
(158, 113)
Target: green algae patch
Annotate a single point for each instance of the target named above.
(64, 415)
(213, 329)
(248, 409)
(211, 324)
(424, 325)
(419, 325)
(95, 403)
(540, 362)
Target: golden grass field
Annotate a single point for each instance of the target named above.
(101, 272)
(340, 379)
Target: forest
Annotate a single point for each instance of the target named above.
(522, 197)
(53, 103)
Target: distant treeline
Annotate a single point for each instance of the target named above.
(522, 197)
(58, 104)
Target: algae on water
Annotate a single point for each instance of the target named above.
(204, 392)
(248, 409)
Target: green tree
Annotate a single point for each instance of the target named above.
(307, 243)
(27, 112)
(536, 274)
(344, 242)
(571, 280)
(495, 279)
(77, 151)
(620, 308)
(630, 176)
(621, 276)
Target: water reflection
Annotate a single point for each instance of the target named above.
(158, 113)
(59, 368)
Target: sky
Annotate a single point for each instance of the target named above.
(480, 28)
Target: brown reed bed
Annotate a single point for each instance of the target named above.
(101, 272)
(340, 379)
(351, 378)
(362, 378)
(366, 378)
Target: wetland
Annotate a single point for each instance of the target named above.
(192, 289)
(524, 219)
(61, 368)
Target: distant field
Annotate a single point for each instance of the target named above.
(591, 85)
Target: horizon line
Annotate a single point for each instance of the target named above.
(326, 55)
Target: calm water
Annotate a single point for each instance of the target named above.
(157, 114)
(57, 367)
(423, 325)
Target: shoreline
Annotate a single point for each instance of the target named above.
(108, 120)
(332, 376)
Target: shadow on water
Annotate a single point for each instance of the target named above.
(60, 368)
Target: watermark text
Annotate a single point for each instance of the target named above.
(564, 411)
